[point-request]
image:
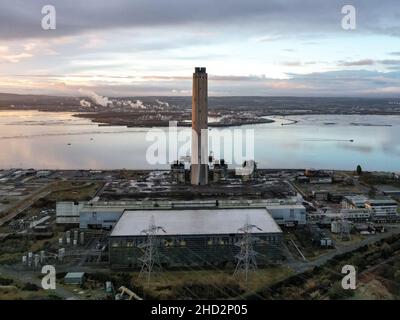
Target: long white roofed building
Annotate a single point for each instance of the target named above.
(194, 237)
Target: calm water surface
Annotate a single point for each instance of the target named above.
(32, 139)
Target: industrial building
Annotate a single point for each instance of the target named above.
(193, 237)
(75, 278)
(320, 195)
(355, 215)
(284, 214)
(220, 170)
(377, 207)
(319, 236)
(354, 202)
(91, 214)
(382, 207)
(105, 214)
(68, 212)
(199, 164)
(389, 190)
(247, 170)
(216, 173)
(178, 172)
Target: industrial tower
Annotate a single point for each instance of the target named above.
(150, 247)
(199, 163)
(345, 228)
(247, 256)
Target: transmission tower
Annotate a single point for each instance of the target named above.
(247, 256)
(344, 229)
(150, 248)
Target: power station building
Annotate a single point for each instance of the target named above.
(105, 214)
(197, 233)
(193, 237)
(199, 163)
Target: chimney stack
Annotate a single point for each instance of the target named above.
(199, 165)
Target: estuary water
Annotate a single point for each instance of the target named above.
(49, 140)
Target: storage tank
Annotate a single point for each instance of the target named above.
(335, 227)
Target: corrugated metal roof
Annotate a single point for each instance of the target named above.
(201, 221)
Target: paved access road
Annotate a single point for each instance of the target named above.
(300, 266)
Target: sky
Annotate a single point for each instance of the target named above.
(150, 47)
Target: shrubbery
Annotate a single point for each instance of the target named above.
(6, 282)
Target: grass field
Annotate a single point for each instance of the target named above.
(209, 284)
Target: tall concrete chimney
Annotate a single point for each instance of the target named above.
(199, 166)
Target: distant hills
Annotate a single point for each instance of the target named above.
(257, 105)
(22, 100)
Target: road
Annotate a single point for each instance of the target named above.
(25, 204)
(42, 193)
(300, 266)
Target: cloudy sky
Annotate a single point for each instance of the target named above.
(150, 47)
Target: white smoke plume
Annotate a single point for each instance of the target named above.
(85, 103)
(162, 103)
(138, 104)
(97, 99)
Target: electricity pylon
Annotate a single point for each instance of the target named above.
(247, 256)
(344, 229)
(150, 248)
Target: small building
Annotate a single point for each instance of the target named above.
(377, 207)
(247, 170)
(310, 172)
(75, 278)
(326, 242)
(302, 179)
(339, 226)
(288, 214)
(43, 173)
(178, 172)
(100, 215)
(357, 215)
(319, 236)
(382, 207)
(321, 180)
(354, 202)
(89, 215)
(389, 190)
(320, 195)
(335, 226)
(67, 212)
(193, 237)
(220, 170)
(336, 197)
